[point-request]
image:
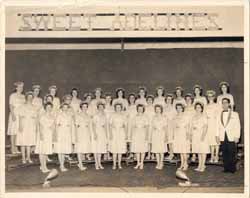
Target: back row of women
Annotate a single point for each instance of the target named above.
(139, 125)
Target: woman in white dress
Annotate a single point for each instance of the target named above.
(142, 94)
(16, 100)
(75, 101)
(27, 118)
(46, 131)
(212, 112)
(131, 113)
(139, 132)
(83, 134)
(88, 98)
(99, 135)
(198, 132)
(56, 100)
(159, 131)
(120, 98)
(98, 99)
(160, 99)
(181, 136)
(150, 112)
(179, 96)
(225, 93)
(64, 128)
(118, 134)
(169, 112)
(198, 97)
(189, 108)
(37, 100)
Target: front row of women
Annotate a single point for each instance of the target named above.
(99, 135)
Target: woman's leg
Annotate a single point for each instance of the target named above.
(13, 144)
(138, 160)
(28, 154)
(182, 161)
(161, 159)
(203, 161)
(212, 151)
(142, 160)
(157, 160)
(216, 153)
(96, 161)
(185, 162)
(99, 160)
(114, 160)
(23, 154)
(41, 162)
(171, 153)
(149, 151)
(60, 160)
(120, 160)
(200, 161)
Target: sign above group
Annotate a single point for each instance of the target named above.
(126, 21)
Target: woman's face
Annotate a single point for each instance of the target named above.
(67, 101)
(120, 93)
(158, 110)
(29, 98)
(49, 99)
(84, 107)
(142, 93)
(98, 93)
(179, 109)
(188, 100)
(118, 108)
(48, 108)
(224, 89)
(108, 99)
(150, 101)
(19, 88)
(198, 108)
(178, 93)
(132, 99)
(101, 108)
(210, 98)
(74, 93)
(89, 98)
(65, 108)
(169, 100)
(140, 109)
(160, 92)
(36, 92)
(197, 91)
(52, 92)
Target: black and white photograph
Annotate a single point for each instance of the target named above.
(126, 97)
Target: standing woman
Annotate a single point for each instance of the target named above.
(27, 118)
(142, 94)
(179, 96)
(159, 128)
(46, 131)
(64, 129)
(160, 99)
(169, 112)
(56, 100)
(99, 135)
(139, 132)
(120, 98)
(98, 99)
(83, 134)
(16, 100)
(75, 101)
(198, 132)
(198, 95)
(225, 93)
(37, 100)
(181, 136)
(189, 109)
(88, 98)
(212, 111)
(150, 112)
(118, 134)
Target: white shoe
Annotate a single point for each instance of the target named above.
(137, 166)
(114, 167)
(101, 167)
(64, 169)
(141, 167)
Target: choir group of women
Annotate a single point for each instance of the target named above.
(141, 125)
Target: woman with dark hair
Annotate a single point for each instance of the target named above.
(16, 100)
(75, 101)
(88, 98)
(98, 99)
(46, 131)
(225, 93)
(212, 111)
(189, 108)
(37, 100)
(160, 99)
(56, 100)
(83, 134)
(198, 97)
(120, 98)
(198, 132)
(65, 127)
(27, 120)
(118, 134)
(159, 128)
(169, 113)
(181, 137)
(179, 96)
(142, 94)
(99, 135)
(139, 132)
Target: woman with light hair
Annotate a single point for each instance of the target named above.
(120, 98)
(225, 93)
(179, 96)
(56, 100)
(160, 98)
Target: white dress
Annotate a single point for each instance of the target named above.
(180, 127)
(64, 128)
(56, 103)
(229, 96)
(212, 111)
(99, 145)
(150, 113)
(123, 101)
(75, 104)
(38, 103)
(142, 101)
(179, 101)
(139, 127)
(93, 105)
(201, 99)
(131, 113)
(189, 112)
(118, 123)
(159, 101)
(169, 112)
(47, 128)
(159, 127)
(16, 101)
(83, 133)
(196, 127)
(27, 118)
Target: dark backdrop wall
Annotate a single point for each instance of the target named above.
(109, 69)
